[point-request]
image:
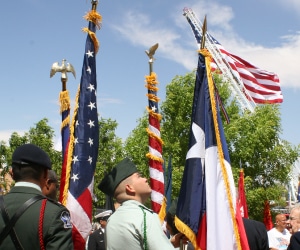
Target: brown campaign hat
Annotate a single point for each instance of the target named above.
(120, 172)
(31, 155)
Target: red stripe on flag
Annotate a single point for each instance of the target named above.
(153, 121)
(85, 201)
(78, 241)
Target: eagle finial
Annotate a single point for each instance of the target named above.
(64, 68)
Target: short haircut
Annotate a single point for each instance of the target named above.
(52, 175)
(24, 173)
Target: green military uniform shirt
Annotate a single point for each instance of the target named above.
(125, 229)
(57, 228)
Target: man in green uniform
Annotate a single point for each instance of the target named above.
(133, 226)
(40, 223)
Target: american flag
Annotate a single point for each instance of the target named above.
(259, 86)
(84, 142)
(206, 209)
(155, 146)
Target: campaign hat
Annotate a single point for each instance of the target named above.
(31, 155)
(120, 172)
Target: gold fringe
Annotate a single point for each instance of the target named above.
(162, 212)
(65, 122)
(70, 152)
(64, 100)
(154, 158)
(152, 113)
(153, 97)
(94, 38)
(151, 79)
(94, 17)
(187, 231)
(151, 134)
(151, 87)
(208, 57)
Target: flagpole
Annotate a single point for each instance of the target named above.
(155, 142)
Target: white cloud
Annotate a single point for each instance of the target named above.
(140, 30)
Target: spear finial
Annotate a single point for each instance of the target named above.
(204, 28)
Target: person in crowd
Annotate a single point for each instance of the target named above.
(51, 186)
(28, 219)
(133, 226)
(257, 235)
(96, 239)
(294, 221)
(279, 236)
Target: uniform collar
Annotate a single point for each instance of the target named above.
(28, 184)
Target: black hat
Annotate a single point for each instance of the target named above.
(30, 154)
(120, 172)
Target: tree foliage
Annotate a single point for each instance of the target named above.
(41, 135)
(253, 139)
(109, 154)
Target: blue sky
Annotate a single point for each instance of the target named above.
(37, 33)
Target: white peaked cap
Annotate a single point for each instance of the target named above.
(103, 214)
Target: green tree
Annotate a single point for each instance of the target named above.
(41, 135)
(109, 154)
(252, 138)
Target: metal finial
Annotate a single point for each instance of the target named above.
(204, 28)
(150, 53)
(63, 69)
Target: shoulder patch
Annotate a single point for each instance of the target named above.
(66, 219)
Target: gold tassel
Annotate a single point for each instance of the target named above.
(93, 37)
(154, 158)
(64, 100)
(94, 17)
(151, 134)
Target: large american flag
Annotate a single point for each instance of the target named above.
(259, 86)
(206, 210)
(84, 142)
(155, 146)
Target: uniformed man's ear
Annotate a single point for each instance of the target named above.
(129, 189)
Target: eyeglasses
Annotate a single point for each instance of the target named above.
(293, 218)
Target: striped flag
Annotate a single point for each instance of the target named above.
(206, 211)
(242, 196)
(84, 141)
(155, 146)
(259, 85)
(262, 86)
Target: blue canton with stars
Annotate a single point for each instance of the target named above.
(86, 130)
